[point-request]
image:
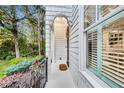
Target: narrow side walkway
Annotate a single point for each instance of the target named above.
(59, 79)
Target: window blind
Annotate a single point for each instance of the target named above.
(113, 51)
(92, 50)
(89, 15)
(105, 9)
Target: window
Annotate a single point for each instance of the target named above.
(105, 9)
(113, 51)
(110, 66)
(92, 50)
(89, 15)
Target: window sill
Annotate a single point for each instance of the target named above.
(94, 80)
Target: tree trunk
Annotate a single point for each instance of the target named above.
(15, 34)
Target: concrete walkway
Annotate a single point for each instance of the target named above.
(59, 79)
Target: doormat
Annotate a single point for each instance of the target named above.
(63, 67)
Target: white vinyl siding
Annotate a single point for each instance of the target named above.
(74, 44)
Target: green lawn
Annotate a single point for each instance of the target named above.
(5, 64)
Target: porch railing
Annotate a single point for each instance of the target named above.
(39, 76)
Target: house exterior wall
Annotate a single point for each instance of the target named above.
(73, 14)
(74, 44)
(77, 49)
(82, 76)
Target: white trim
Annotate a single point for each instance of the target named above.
(116, 11)
(97, 13)
(81, 26)
(82, 40)
(94, 80)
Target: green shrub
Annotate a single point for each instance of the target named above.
(16, 61)
(7, 49)
(18, 67)
(10, 57)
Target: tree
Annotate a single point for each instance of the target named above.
(9, 18)
(9, 14)
(41, 14)
(38, 21)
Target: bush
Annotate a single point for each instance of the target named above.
(10, 57)
(7, 49)
(16, 61)
(18, 67)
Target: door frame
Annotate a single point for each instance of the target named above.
(67, 33)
